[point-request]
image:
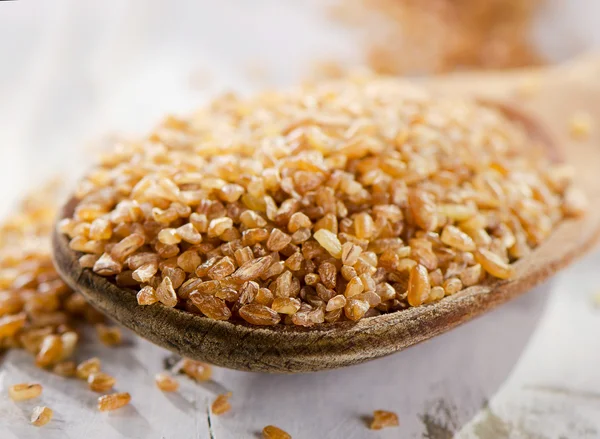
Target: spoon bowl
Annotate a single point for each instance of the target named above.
(292, 349)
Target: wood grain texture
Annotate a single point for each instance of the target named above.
(293, 349)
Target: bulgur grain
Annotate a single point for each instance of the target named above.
(41, 416)
(166, 382)
(196, 370)
(100, 382)
(146, 296)
(50, 352)
(165, 293)
(452, 286)
(22, 392)
(109, 335)
(38, 310)
(383, 419)
(259, 315)
(113, 401)
(211, 306)
(65, 369)
(285, 305)
(221, 404)
(88, 367)
(376, 197)
(272, 432)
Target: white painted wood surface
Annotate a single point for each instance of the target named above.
(72, 71)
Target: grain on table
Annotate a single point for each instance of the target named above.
(24, 391)
(41, 416)
(113, 401)
(165, 382)
(272, 432)
(221, 404)
(384, 419)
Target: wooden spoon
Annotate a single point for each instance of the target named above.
(554, 98)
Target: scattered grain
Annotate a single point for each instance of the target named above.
(211, 306)
(166, 382)
(65, 369)
(50, 352)
(22, 392)
(330, 242)
(384, 419)
(41, 416)
(165, 293)
(88, 367)
(109, 335)
(221, 404)
(196, 370)
(100, 382)
(113, 401)
(272, 432)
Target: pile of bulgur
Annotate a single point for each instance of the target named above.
(329, 202)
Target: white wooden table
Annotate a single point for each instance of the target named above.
(78, 69)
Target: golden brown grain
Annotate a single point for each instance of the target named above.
(109, 335)
(113, 401)
(418, 285)
(272, 432)
(211, 306)
(196, 370)
(165, 293)
(493, 264)
(166, 382)
(101, 382)
(24, 391)
(41, 416)
(37, 309)
(66, 369)
(454, 237)
(384, 419)
(50, 351)
(452, 286)
(9, 325)
(330, 202)
(88, 367)
(221, 404)
(69, 340)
